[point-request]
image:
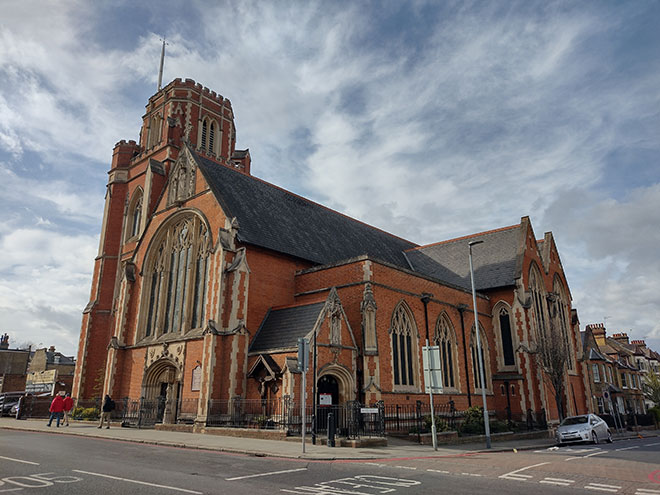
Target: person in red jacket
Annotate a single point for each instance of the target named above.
(68, 405)
(56, 408)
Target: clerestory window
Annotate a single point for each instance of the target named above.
(479, 356)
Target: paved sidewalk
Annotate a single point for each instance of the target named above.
(396, 449)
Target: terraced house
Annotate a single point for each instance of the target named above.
(206, 276)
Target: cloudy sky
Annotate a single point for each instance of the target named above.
(428, 119)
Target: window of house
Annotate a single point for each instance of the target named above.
(624, 382)
(596, 372)
(476, 357)
(601, 405)
(445, 338)
(507, 338)
(404, 346)
(175, 278)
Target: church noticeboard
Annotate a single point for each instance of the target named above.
(196, 379)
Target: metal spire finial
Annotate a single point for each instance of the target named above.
(162, 62)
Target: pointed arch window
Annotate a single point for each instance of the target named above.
(404, 347)
(208, 138)
(538, 296)
(134, 216)
(508, 354)
(155, 131)
(564, 321)
(175, 278)
(445, 338)
(476, 356)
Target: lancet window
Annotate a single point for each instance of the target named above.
(445, 338)
(134, 216)
(504, 320)
(404, 346)
(538, 297)
(479, 356)
(208, 136)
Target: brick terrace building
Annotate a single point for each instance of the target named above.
(206, 276)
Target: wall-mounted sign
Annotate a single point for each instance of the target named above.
(196, 379)
(325, 399)
(369, 410)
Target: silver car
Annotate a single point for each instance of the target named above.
(585, 428)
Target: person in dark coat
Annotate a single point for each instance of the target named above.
(56, 409)
(106, 409)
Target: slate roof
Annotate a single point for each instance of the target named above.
(282, 328)
(495, 260)
(276, 219)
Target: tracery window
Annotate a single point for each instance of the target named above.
(175, 278)
(404, 346)
(445, 338)
(476, 356)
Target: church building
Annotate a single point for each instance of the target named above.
(207, 276)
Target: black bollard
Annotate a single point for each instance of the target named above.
(331, 429)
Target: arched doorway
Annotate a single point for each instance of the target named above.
(328, 390)
(160, 391)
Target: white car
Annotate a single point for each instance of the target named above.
(585, 428)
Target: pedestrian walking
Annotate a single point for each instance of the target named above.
(56, 408)
(68, 406)
(106, 409)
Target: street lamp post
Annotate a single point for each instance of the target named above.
(479, 352)
(425, 300)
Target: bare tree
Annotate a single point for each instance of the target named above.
(552, 355)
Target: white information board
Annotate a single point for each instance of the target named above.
(432, 369)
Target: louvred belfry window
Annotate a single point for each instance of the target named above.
(176, 278)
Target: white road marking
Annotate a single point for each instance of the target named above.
(10, 490)
(560, 479)
(560, 483)
(513, 475)
(137, 482)
(628, 448)
(651, 444)
(602, 488)
(375, 464)
(470, 474)
(588, 455)
(647, 491)
(406, 467)
(438, 471)
(265, 474)
(19, 460)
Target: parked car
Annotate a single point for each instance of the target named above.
(7, 401)
(585, 428)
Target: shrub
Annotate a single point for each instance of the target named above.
(655, 412)
(85, 413)
(473, 423)
(440, 424)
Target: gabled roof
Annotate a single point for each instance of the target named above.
(276, 219)
(282, 327)
(494, 261)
